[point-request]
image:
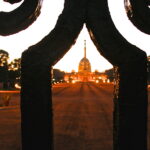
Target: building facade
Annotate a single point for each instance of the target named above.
(84, 73)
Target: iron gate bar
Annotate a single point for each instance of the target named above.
(36, 96)
(130, 97)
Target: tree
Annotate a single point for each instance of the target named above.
(58, 75)
(4, 68)
(14, 69)
(110, 74)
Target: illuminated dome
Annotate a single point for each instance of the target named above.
(84, 65)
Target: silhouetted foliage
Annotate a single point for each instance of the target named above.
(3, 58)
(58, 75)
(9, 73)
(4, 68)
(14, 72)
(110, 74)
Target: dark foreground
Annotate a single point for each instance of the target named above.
(82, 118)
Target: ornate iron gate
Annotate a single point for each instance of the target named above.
(130, 98)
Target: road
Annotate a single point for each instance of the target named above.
(82, 118)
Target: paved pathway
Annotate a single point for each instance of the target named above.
(82, 118)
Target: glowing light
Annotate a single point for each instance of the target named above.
(17, 86)
(97, 81)
(73, 81)
(108, 81)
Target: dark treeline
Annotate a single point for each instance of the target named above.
(110, 74)
(58, 76)
(9, 71)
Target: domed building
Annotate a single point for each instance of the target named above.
(84, 65)
(84, 69)
(84, 73)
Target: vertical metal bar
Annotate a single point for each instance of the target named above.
(36, 105)
(130, 106)
(130, 101)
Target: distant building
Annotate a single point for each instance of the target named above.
(84, 73)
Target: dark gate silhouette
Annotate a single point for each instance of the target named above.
(130, 97)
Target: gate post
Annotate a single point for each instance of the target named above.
(36, 104)
(130, 101)
(130, 106)
(36, 96)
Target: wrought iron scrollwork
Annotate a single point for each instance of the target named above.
(12, 1)
(138, 12)
(20, 18)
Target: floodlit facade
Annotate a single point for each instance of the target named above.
(84, 73)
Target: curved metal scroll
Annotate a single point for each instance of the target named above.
(20, 18)
(138, 12)
(12, 1)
